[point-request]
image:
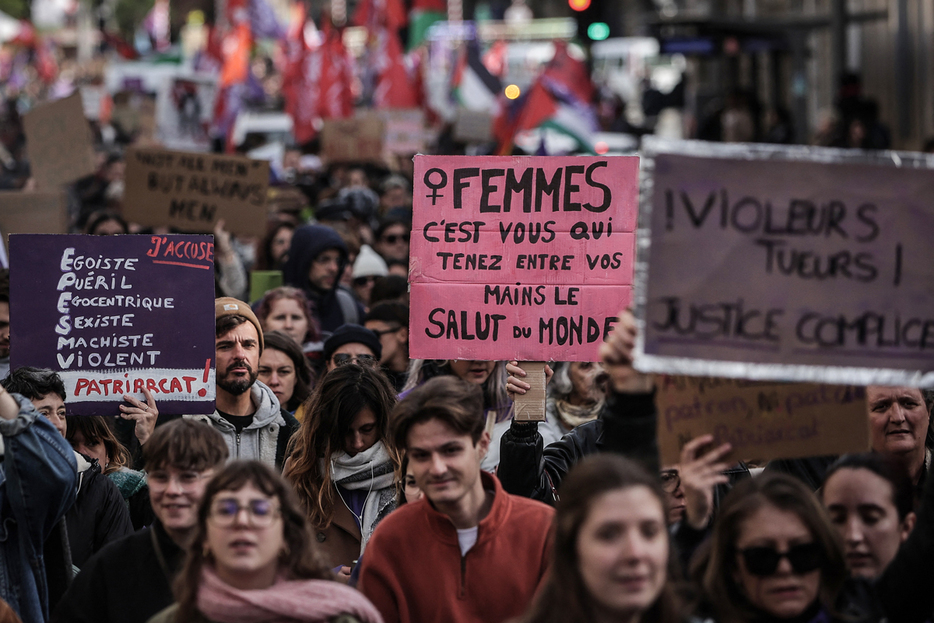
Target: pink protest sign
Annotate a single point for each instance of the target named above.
(527, 258)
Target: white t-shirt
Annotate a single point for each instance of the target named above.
(467, 539)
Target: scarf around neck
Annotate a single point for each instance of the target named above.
(371, 471)
(286, 601)
(572, 416)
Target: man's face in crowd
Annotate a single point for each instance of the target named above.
(350, 353)
(237, 354)
(53, 407)
(445, 464)
(394, 339)
(393, 244)
(323, 272)
(898, 419)
(4, 329)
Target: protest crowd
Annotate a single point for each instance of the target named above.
(334, 476)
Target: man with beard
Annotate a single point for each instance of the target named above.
(248, 414)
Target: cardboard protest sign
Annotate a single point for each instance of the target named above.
(193, 191)
(530, 406)
(358, 139)
(116, 314)
(59, 143)
(405, 130)
(761, 420)
(33, 213)
(184, 112)
(789, 264)
(526, 258)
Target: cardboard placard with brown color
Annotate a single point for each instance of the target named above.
(761, 420)
(359, 139)
(33, 213)
(192, 191)
(59, 143)
(530, 406)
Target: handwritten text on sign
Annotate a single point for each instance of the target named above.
(524, 258)
(761, 420)
(115, 315)
(791, 262)
(192, 191)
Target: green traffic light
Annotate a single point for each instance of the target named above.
(598, 31)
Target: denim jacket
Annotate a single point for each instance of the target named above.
(38, 482)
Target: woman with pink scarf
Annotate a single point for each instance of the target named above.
(252, 559)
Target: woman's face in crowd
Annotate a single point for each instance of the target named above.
(175, 495)
(583, 375)
(286, 315)
(898, 419)
(622, 550)
(277, 372)
(674, 495)
(363, 433)
(245, 537)
(476, 372)
(784, 593)
(861, 506)
(280, 244)
(410, 488)
(92, 449)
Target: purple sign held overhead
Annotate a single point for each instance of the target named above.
(116, 314)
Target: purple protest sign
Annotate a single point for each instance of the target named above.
(116, 314)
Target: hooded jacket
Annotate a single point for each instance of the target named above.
(265, 438)
(336, 306)
(99, 515)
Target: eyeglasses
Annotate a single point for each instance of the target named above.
(394, 238)
(342, 359)
(385, 331)
(671, 480)
(260, 513)
(362, 281)
(763, 561)
(186, 479)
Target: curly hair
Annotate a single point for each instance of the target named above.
(341, 395)
(302, 559)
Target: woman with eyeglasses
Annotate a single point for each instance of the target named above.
(342, 464)
(253, 559)
(613, 559)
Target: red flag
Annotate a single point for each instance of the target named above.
(566, 74)
(526, 114)
(335, 91)
(235, 52)
(377, 13)
(394, 88)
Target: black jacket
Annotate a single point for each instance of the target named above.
(626, 425)
(125, 582)
(98, 516)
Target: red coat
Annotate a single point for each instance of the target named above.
(413, 570)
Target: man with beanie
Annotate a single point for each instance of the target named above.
(248, 414)
(390, 322)
(352, 343)
(317, 259)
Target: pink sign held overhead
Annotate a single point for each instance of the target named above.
(526, 258)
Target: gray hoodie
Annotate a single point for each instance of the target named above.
(258, 441)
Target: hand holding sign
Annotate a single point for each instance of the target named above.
(616, 355)
(516, 386)
(144, 414)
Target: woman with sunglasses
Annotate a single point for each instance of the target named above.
(253, 559)
(342, 464)
(773, 556)
(612, 554)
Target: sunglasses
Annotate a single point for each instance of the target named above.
(362, 281)
(385, 331)
(763, 561)
(343, 359)
(394, 238)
